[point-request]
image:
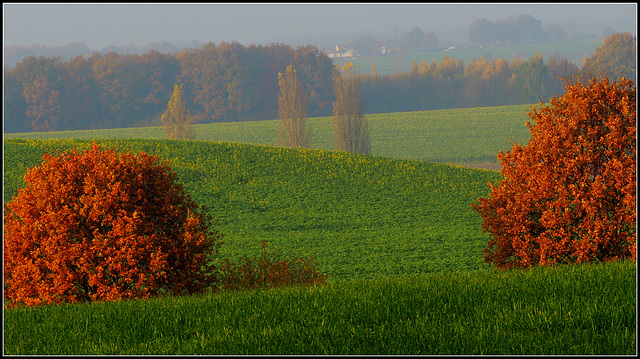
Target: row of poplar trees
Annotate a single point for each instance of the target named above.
(350, 129)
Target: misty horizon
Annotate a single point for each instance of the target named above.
(102, 25)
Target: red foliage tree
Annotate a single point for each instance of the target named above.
(569, 196)
(104, 226)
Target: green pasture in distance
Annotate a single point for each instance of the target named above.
(459, 136)
(573, 51)
(586, 309)
(358, 216)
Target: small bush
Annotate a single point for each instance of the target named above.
(268, 271)
(103, 226)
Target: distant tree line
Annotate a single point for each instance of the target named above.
(522, 29)
(225, 82)
(231, 82)
(15, 53)
(512, 30)
(450, 84)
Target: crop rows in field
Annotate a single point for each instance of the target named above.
(459, 136)
(359, 216)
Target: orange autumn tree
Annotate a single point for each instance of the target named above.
(104, 226)
(569, 196)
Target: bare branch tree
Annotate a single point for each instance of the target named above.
(293, 110)
(350, 128)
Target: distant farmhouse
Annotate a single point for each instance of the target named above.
(340, 51)
(346, 51)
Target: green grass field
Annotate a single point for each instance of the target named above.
(459, 136)
(567, 310)
(359, 216)
(395, 234)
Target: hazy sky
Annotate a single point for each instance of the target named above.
(100, 25)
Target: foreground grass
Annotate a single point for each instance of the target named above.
(580, 310)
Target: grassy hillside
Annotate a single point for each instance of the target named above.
(359, 216)
(396, 236)
(461, 136)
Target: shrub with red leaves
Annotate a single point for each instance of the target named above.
(104, 226)
(569, 196)
(268, 271)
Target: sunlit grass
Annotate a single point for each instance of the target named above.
(568, 310)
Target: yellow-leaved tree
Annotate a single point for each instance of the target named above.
(176, 119)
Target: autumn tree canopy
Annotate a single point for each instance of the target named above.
(104, 226)
(569, 195)
(616, 58)
(223, 82)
